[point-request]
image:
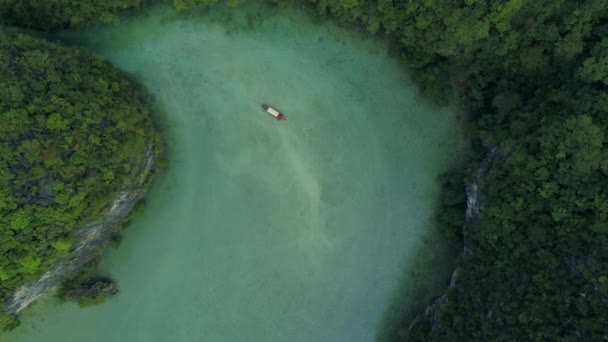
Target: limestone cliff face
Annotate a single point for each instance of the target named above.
(474, 207)
(91, 239)
(475, 197)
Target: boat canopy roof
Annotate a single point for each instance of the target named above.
(273, 111)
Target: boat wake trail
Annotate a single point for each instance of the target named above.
(312, 235)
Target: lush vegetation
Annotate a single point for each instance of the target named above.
(533, 75)
(57, 14)
(71, 135)
(62, 14)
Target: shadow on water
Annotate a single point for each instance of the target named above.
(428, 276)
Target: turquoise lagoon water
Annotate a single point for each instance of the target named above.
(260, 230)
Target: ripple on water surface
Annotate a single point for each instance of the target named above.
(262, 230)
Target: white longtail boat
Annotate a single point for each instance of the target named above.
(275, 113)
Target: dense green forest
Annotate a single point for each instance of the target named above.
(62, 14)
(71, 132)
(532, 74)
(58, 14)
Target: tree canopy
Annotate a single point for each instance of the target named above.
(62, 14)
(58, 14)
(71, 134)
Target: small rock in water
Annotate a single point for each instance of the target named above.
(92, 289)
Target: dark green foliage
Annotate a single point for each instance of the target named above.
(61, 14)
(49, 15)
(452, 207)
(71, 135)
(8, 321)
(58, 14)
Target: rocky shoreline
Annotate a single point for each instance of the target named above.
(92, 238)
(474, 207)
